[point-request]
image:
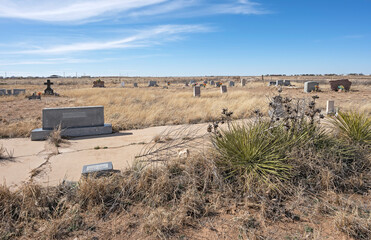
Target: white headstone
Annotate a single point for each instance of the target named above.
(330, 108)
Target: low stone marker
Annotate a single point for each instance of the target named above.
(152, 84)
(74, 122)
(196, 91)
(135, 85)
(287, 83)
(310, 86)
(34, 96)
(99, 168)
(223, 89)
(330, 107)
(19, 91)
(243, 82)
(343, 82)
(279, 83)
(2, 92)
(231, 83)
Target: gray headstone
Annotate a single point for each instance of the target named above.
(271, 83)
(152, 84)
(196, 91)
(231, 83)
(223, 88)
(99, 167)
(74, 121)
(18, 91)
(135, 84)
(279, 83)
(243, 82)
(212, 82)
(330, 108)
(9, 92)
(2, 92)
(310, 86)
(287, 83)
(73, 117)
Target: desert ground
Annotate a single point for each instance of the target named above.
(198, 205)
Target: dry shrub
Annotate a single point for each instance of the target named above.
(6, 154)
(353, 225)
(55, 137)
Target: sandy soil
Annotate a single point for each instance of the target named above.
(45, 164)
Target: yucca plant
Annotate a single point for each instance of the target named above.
(353, 126)
(254, 152)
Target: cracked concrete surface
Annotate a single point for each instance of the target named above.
(47, 165)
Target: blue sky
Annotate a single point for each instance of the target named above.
(184, 37)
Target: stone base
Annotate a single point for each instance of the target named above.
(40, 134)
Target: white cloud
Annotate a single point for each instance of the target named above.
(143, 38)
(92, 10)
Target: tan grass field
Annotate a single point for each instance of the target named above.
(132, 108)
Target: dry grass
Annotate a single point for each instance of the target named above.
(130, 108)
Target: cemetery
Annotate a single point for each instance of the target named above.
(100, 138)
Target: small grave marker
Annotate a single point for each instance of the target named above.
(135, 85)
(223, 89)
(287, 83)
(196, 91)
(212, 82)
(279, 83)
(2, 92)
(97, 168)
(9, 92)
(231, 83)
(152, 84)
(243, 82)
(330, 107)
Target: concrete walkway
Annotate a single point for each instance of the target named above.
(45, 164)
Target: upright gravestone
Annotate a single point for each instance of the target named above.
(9, 92)
(231, 83)
(243, 82)
(48, 90)
(135, 85)
(310, 86)
(271, 83)
(196, 91)
(287, 83)
(279, 83)
(122, 84)
(152, 84)
(330, 107)
(74, 122)
(212, 83)
(2, 92)
(343, 82)
(19, 91)
(223, 89)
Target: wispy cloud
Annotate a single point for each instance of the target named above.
(93, 10)
(143, 38)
